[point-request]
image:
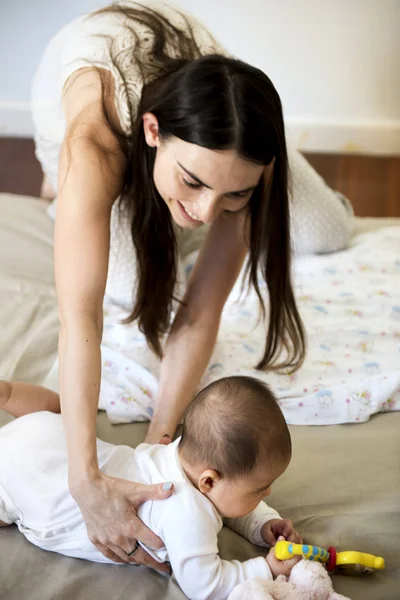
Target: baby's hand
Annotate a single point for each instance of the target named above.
(274, 528)
(280, 567)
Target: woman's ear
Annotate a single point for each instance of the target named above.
(150, 128)
(208, 480)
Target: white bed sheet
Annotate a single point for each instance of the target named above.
(350, 304)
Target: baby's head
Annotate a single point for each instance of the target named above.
(235, 443)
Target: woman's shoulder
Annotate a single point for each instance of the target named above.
(83, 43)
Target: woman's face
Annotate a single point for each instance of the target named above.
(199, 184)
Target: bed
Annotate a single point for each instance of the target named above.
(342, 487)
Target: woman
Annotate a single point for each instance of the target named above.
(143, 106)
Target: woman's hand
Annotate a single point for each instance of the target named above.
(109, 506)
(159, 433)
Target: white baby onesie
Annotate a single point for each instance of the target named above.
(34, 494)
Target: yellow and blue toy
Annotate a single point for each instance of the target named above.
(348, 561)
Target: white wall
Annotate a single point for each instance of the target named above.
(336, 63)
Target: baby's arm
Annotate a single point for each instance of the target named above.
(189, 530)
(250, 526)
(17, 398)
(263, 526)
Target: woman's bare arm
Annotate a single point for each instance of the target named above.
(90, 176)
(194, 331)
(90, 179)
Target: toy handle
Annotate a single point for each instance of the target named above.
(285, 550)
(332, 559)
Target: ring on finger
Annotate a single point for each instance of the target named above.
(132, 552)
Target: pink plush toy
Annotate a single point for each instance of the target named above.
(308, 581)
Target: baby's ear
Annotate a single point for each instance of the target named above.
(208, 480)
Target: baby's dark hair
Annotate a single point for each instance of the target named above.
(231, 424)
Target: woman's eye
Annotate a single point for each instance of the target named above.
(190, 184)
(239, 194)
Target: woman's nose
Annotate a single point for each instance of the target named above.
(210, 207)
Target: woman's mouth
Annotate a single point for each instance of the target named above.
(188, 215)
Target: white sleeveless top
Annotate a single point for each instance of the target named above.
(322, 223)
(86, 42)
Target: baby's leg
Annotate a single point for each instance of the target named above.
(2, 524)
(17, 398)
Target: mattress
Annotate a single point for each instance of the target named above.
(350, 305)
(342, 487)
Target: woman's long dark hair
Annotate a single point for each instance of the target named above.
(218, 103)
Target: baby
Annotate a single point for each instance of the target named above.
(235, 444)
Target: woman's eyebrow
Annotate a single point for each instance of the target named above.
(193, 176)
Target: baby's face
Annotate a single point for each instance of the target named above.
(238, 497)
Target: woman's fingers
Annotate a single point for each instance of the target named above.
(108, 553)
(140, 492)
(109, 510)
(144, 534)
(120, 551)
(123, 546)
(119, 546)
(141, 557)
(165, 440)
